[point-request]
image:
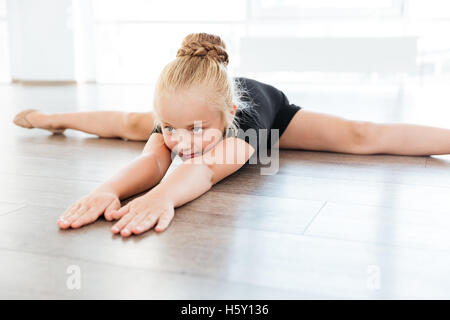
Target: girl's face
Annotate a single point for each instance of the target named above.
(189, 124)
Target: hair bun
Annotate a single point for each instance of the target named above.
(204, 44)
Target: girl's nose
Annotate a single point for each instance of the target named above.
(184, 140)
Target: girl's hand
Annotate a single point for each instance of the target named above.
(88, 209)
(141, 214)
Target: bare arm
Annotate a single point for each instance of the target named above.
(189, 181)
(196, 176)
(143, 173)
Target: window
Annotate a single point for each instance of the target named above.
(134, 39)
(313, 9)
(169, 10)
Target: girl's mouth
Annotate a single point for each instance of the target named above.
(189, 156)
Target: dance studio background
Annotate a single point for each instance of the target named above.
(327, 225)
(118, 41)
(321, 52)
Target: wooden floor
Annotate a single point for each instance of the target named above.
(327, 225)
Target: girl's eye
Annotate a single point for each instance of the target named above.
(197, 129)
(170, 129)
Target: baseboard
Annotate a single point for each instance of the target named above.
(44, 82)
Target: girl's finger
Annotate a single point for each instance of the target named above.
(88, 217)
(62, 220)
(74, 215)
(146, 223)
(164, 221)
(117, 214)
(70, 209)
(112, 207)
(136, 220)
(122, 223)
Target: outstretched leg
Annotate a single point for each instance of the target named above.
(105, 124)
(317, 131)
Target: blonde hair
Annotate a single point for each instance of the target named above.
(203, 60)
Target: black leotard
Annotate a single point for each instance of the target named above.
(269, 108)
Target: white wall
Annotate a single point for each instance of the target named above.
(41, 43)
(4, 54)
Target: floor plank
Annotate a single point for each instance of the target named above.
(312, 266)
(427, 230)
(47, 277)
(9, 207)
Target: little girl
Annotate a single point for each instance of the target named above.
(204, 116)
